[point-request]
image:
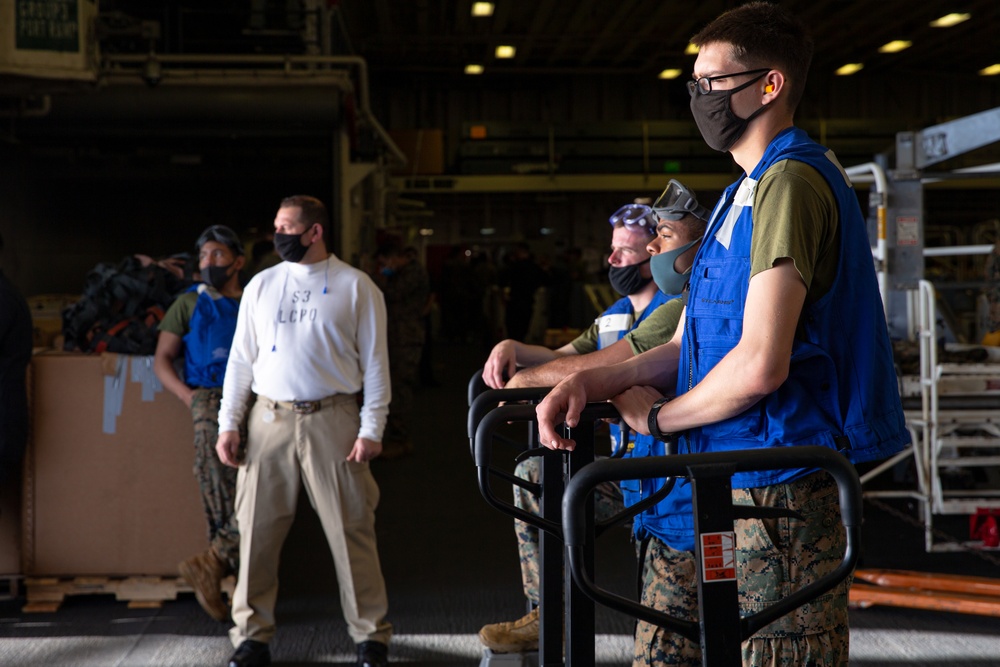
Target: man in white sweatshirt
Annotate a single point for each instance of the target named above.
(309, 336)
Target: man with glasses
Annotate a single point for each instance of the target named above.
(647, 244)
(783, 342)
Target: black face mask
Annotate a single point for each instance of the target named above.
(666, 277)
(627, 280)
(713, 115)
(217, 276)
(289, 246)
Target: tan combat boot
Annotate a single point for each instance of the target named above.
(204, 572)
(512, 636)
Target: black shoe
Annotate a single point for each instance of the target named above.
(373, 654)
(251, 654)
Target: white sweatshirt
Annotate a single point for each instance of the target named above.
(294, 342)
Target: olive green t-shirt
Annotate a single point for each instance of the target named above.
(177, 319)
(796, 216)
(656, 329)
(586, 342)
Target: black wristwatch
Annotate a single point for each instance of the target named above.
(654, 428)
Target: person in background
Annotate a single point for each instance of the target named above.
(520, 278)
(406, 287)
(783, 342)
(16, 336)
(199, 326)
(311, 334)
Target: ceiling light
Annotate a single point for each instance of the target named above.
(426, 231)
(691, 50)
(895, 46)
(949, 20)
(848, 69)
(505, 51)
(482, 9)
(473, 69)
(670, 74)
(488, 231)
(992, 70)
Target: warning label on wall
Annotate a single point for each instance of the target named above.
(907, 230)
(718, 556)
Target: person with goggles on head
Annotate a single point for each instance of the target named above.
(652, 249)
(783, 342)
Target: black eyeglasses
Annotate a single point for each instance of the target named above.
(636, 217)
(704, 84)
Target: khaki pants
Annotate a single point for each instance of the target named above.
(311, 449)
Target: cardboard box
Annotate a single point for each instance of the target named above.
(108, 487)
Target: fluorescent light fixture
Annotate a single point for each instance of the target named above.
(895, 46)
(505, 51)
(670, 74)
(949, 20)
(473, 69)
(849, 69)
(992, 70)
(482, 9)
(691, 50)
(488, 231)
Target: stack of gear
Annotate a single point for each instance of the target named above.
(120, 308)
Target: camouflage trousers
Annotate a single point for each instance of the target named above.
(404, 368)
(774, 557)
(216, 481)
(607, 503)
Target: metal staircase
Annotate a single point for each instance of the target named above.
(957, 431)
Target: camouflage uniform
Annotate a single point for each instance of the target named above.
(774, 557)
(607, 503)
(216, 480)
(406, 293)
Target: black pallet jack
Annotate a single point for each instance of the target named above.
(720, 630)
(484, 420)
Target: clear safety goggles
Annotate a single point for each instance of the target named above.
(637, 218)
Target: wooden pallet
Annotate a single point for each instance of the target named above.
(925, 590)
(46, 594)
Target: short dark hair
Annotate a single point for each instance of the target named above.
(221, 234)
(761, 35)
(312, 211)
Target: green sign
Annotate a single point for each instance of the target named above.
(47, 25)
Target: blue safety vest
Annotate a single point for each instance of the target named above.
(841, 391)
(209, 337)
(612, 326)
